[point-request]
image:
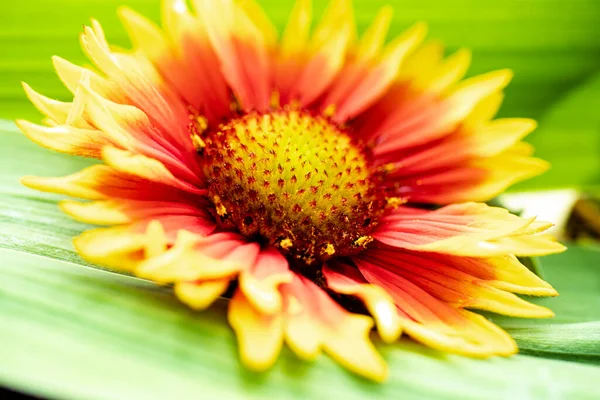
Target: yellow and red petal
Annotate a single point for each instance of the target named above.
(291, 49)
(445, 278)
(467, 229)
(314, 321)
(432, 320)
(142, 240)
(121, 126)
(478, 161)
(100, 182)
(310, 322)
(71, 75)
(314, 62)
(139, 84)
(260, 336)
(242, 49)
(364, 79)
(124, 211)
(58, 112)
(178, 52)
(261, 281)
(194, 257)
(133, 130)
(150, 169)
(432, 133)
(346, 279)
(67, 139)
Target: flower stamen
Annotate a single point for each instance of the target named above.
(295, 179)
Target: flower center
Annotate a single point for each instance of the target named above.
(294, 179)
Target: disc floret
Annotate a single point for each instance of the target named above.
(296, 180)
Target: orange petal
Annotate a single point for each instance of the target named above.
(315, 62)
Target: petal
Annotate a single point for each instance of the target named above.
(124, 211)
(100, 182)
(139, 85)
(362, 82)
(193, 257)
(242, 48)
(468, 229)
(260, 283)
(442, 277)
(294, 39)
(462, 148)
(57, 111)
(306, 69)
(71, 76)
(131, 128)
(122, 248)
(147, 168)
(470, 92)
(260, 336)
(199, 295)
(409, 115)
(433, 321)
(180, 51)
(315, 321)
(503, 272)
(141, 248)
(374, 37)
(478, 161)
(293, 45)
(67, 139)
(346, 279)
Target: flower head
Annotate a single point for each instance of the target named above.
(310, 174)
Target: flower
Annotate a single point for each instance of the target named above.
(308, 176)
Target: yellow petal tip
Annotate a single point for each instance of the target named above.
(32, 182)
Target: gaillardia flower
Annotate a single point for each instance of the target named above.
(325, 181)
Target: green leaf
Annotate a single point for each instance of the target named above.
(569, 138)
(575, 342)
(76, 332)
(550, 44)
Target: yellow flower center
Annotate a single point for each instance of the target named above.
(294, 179)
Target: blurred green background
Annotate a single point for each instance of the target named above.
(73, 332)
